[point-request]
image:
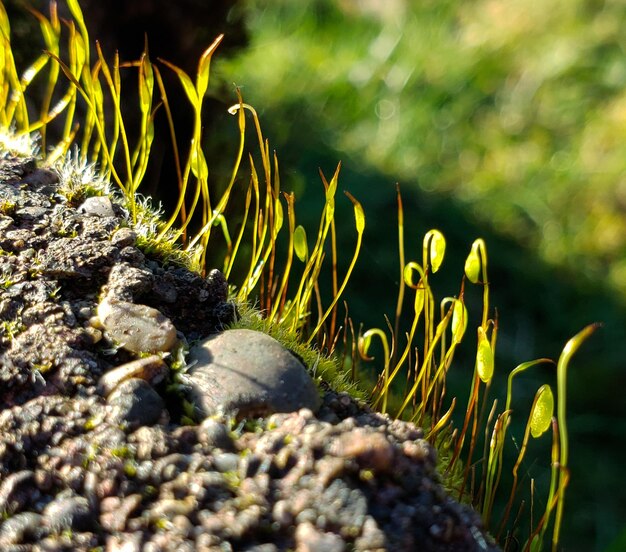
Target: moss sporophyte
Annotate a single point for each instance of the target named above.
(82, 102)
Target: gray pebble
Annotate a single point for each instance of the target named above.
(214, 434)
(99, 206)
(136, 328)
(123, 237)
(41, 178)
(135, 402)
(69, 513)
(248, 373)
(31, 213)
(226, 462)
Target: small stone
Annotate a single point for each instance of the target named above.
(126, 542)
(311, 539)
(99, 206)
(43, 180)
(124, 237)
(19, 528)
(31, 213)
(371, 450)
(214, 434)
(152, 369)
(329, 468)
(226, 462)
(248, 373)
(127, 282)
(93, 334)
(372, 539)
(69, 513)
(135, 402)
(114, 519)
(169, 507)
(136, 328)
(16, 490)
(281, 513)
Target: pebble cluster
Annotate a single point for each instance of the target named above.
(93, 452)
(347, 479)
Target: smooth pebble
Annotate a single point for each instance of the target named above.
(136, 328)
(151, 369)
(248, 373)
(135, 402)
(99, 206)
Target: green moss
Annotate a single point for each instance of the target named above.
(122, 452)
(12, 328)
(7, 207)
(130, 468)
(232, 479)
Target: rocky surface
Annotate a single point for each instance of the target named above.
(93, 454)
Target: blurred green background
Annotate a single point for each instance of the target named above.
(502, 120)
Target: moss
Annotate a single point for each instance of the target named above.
(232, 479)
(130, 468)
(7, 207)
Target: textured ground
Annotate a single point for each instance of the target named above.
(85, 470)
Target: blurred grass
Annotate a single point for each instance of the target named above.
(500, 119)
(518, 109)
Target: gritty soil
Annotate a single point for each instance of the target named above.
(74, 477)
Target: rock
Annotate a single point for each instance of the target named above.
(372, 539)
(370, 449)
(152, 369)
(311, 539)
(127, 282)
(226, 462)
(214, 434)
(168, 508)
(248, 373)
(69, 513)
(99, 206)
(20, 527)
(125, 542)
(114, 511)
(197, 306)
(124, 237)
(16, 491)
(136, 403)
(72, 479)
(136, 328)
(75, 258)
(42, 180)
